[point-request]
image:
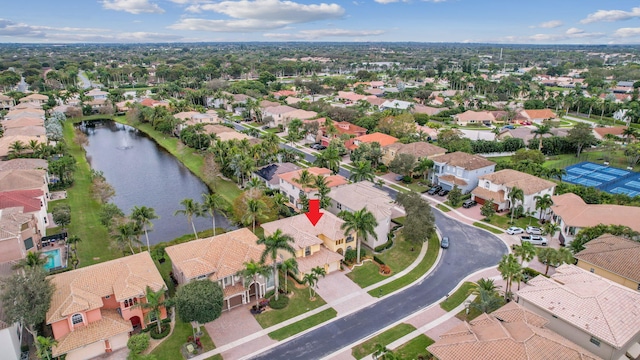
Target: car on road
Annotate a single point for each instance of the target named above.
(534, 239)
(399, 178)
(266, 127)
(444, 243)
(434, 190)
(469, 203)
(443, 192)
(510, 127)
(533, 230)
(318, 146)
(515, 230)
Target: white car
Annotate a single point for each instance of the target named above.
(534, 239)
(514, 230)
(534, 230)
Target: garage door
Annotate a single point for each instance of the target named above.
(235, 301)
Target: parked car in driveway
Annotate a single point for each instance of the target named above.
(444, 243)
(469, 203)
(534, 239)
(399, 177)
(434, 190)
(443, 192)
(534, 230)
(515, 230)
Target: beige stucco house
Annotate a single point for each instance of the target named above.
(419, 149)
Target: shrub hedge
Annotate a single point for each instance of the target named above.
(281, 303)
(165, 331)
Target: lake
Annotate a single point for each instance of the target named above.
(144, 174)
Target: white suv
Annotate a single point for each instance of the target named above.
(514, 230)
(534, 239)
(534, 230)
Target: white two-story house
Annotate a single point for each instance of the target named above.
(460, 169)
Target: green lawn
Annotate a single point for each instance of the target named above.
(417, 187)
(170, 347)
(443, 208)
(384, 338)
(303, 325)
(457, 297)
(413, 275)
(397, 258)
(299, 304)
(414, 348)
(487, 227)
(473, 312)
(85, 223)
(502, 221)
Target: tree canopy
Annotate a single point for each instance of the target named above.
(200, 301)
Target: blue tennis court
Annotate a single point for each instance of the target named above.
(603, 177)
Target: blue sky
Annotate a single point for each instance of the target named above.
(493, 21)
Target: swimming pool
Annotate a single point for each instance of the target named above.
(54, 259)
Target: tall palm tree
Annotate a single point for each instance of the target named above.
(516, 194)
(543, 203)
(125, 235)
(423, 167)
(539, 132)
(310, 279)
(487, 301)
(16, 148)
(289, 265)
(525, 251)
(509, 268)
(280, 201)
(361, 222)
(547, 256)
(362, 171)
(629, 133)
(191, 209)
(320, 183)
(211, 203)
(304, 179)
(484, 284)
(273, 244)
(155, 302)
(320, 272)
(564, 256)
(250, 274)
(33, 260)
(43, 350)
(143, 216)
(550, 228)
(255, 210)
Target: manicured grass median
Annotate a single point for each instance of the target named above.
(443, 208)
(303, 325)
(488, 228)
(457, 297)
(413, 275)
(384, 338)
(170, 347)
(299, 303)
(414, 348)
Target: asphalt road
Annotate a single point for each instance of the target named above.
(470, 249)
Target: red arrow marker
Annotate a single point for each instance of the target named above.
(314, 213)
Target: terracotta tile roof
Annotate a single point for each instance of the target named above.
(508, 333)
(110, 325)
(332, 180)
(27, 131)
(350, 95)
(218, 256)
(363, 194)
(463, 160)
(279, 109)
(374, 100)
(84, 288)
(597, 306)
(319, 258)
(418, 149)
(470, 115)
(345, 127)
(453, 180)
(496, 196)
(21, 121)
(539, 114)
(615, 130)
(267, 103)
(23, 164)
(284, 93)
(35, 97)
(380, 138)
(423, 109)
(303, 232)
(511, 178)
(230, 290)
(615, 254)
(575, 212)
(22, 179)
(27, 199)
(6, 141)
(302, 114)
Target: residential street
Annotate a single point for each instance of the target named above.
(471, 249)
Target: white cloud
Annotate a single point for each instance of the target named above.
(627, 32)
(324, 33)
(611, 15)
(549, 24)
(132, 6)
(274, 10)
(574, 31)
(567, 36)
(248, 25)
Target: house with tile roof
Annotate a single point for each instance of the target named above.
(603, 132)
(341, 128)
(526, 135)
(269, 173)
(364, 194)
(93, 309)
(538, 116)
(19, 234)
(460, 168)
(322, 245)
(283, 114)
(396, 105)
(19, 179)
(292, 189)
(32, 202)
(7, 140)
(498, 185)
(6, 102)
(474, 117)
(612, 257)
(511, 332)
(573, 214)
(97, 94)
(37, 99)
(219, 258)
(419, 149)
(380, 138)
(28, 112)
(24, 164)
(591, 311)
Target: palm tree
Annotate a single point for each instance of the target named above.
(273, 244)
(525, 251)
(155, 302)
(280, 202)
(516, 194)
(540, 131)
(320, 272)
(143, 216)
(487, 301)
(547, 256)
(191, 209)
(255, 209)
(304, 179)
(484, 284)
(310, 279)
(212, 202)
(320, 183)
(33, 260)
(362, 171)
(289, 265)
(43, 350)
(16, 148)
(362, 223)
(251, 272)
(125, 235)
(543, 203)
(509, 268)
(423, 167)
(255, 183)
(629, 133)
(551, 228)
(564, 256)
(73, 240)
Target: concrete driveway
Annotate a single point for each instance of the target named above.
(342, 293)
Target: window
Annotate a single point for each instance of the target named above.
(349, 238)
(130, 302)
(76, 319)
(200, 277)
(595, 341)
(638, 287)
(307, 251)
(592, 270)
(107, 297)
(339, 206)
(227, 280)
